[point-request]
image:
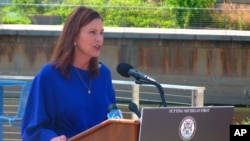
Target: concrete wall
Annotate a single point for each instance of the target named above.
(218, 60)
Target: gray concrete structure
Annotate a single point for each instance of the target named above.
(216, 59)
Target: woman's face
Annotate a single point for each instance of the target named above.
(90, 39)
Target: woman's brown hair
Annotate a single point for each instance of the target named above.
(63, 54)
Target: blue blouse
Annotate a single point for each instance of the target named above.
(57, 106)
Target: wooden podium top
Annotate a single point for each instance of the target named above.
(111, 130)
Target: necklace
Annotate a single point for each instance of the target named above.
(88, 87)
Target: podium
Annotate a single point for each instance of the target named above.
(111, 130)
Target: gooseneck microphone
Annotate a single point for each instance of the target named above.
(127, 70)
(134, 108)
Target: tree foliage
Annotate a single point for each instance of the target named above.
(128, 13)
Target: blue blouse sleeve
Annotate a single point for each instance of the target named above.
(36, 123)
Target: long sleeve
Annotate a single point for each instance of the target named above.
(37, 120)
(57, 106)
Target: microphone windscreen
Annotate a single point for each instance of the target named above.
(132, 107)
(123, 69)
(112, 107)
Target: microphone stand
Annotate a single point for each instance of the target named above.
(159, 87)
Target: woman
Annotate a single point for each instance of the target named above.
(73, 91)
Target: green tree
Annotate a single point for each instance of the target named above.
(190, 12)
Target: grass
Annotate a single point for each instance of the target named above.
(242, 115)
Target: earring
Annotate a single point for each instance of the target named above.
(75, 44)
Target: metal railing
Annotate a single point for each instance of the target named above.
(127, 91)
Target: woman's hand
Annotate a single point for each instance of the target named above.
(59, 138)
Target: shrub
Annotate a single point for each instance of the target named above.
(245, 121)
(137, 13)
(236, 15)
(11, 15)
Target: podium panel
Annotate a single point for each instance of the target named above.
(111, 130)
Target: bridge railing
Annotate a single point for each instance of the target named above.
(144, 95)
(127, 91)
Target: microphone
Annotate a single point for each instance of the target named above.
(126, 70)
(114, 112)
(133, 107)
(112, 107)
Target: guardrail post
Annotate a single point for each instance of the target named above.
(198, 97)
(135, 98)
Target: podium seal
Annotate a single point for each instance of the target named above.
(187, 128)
